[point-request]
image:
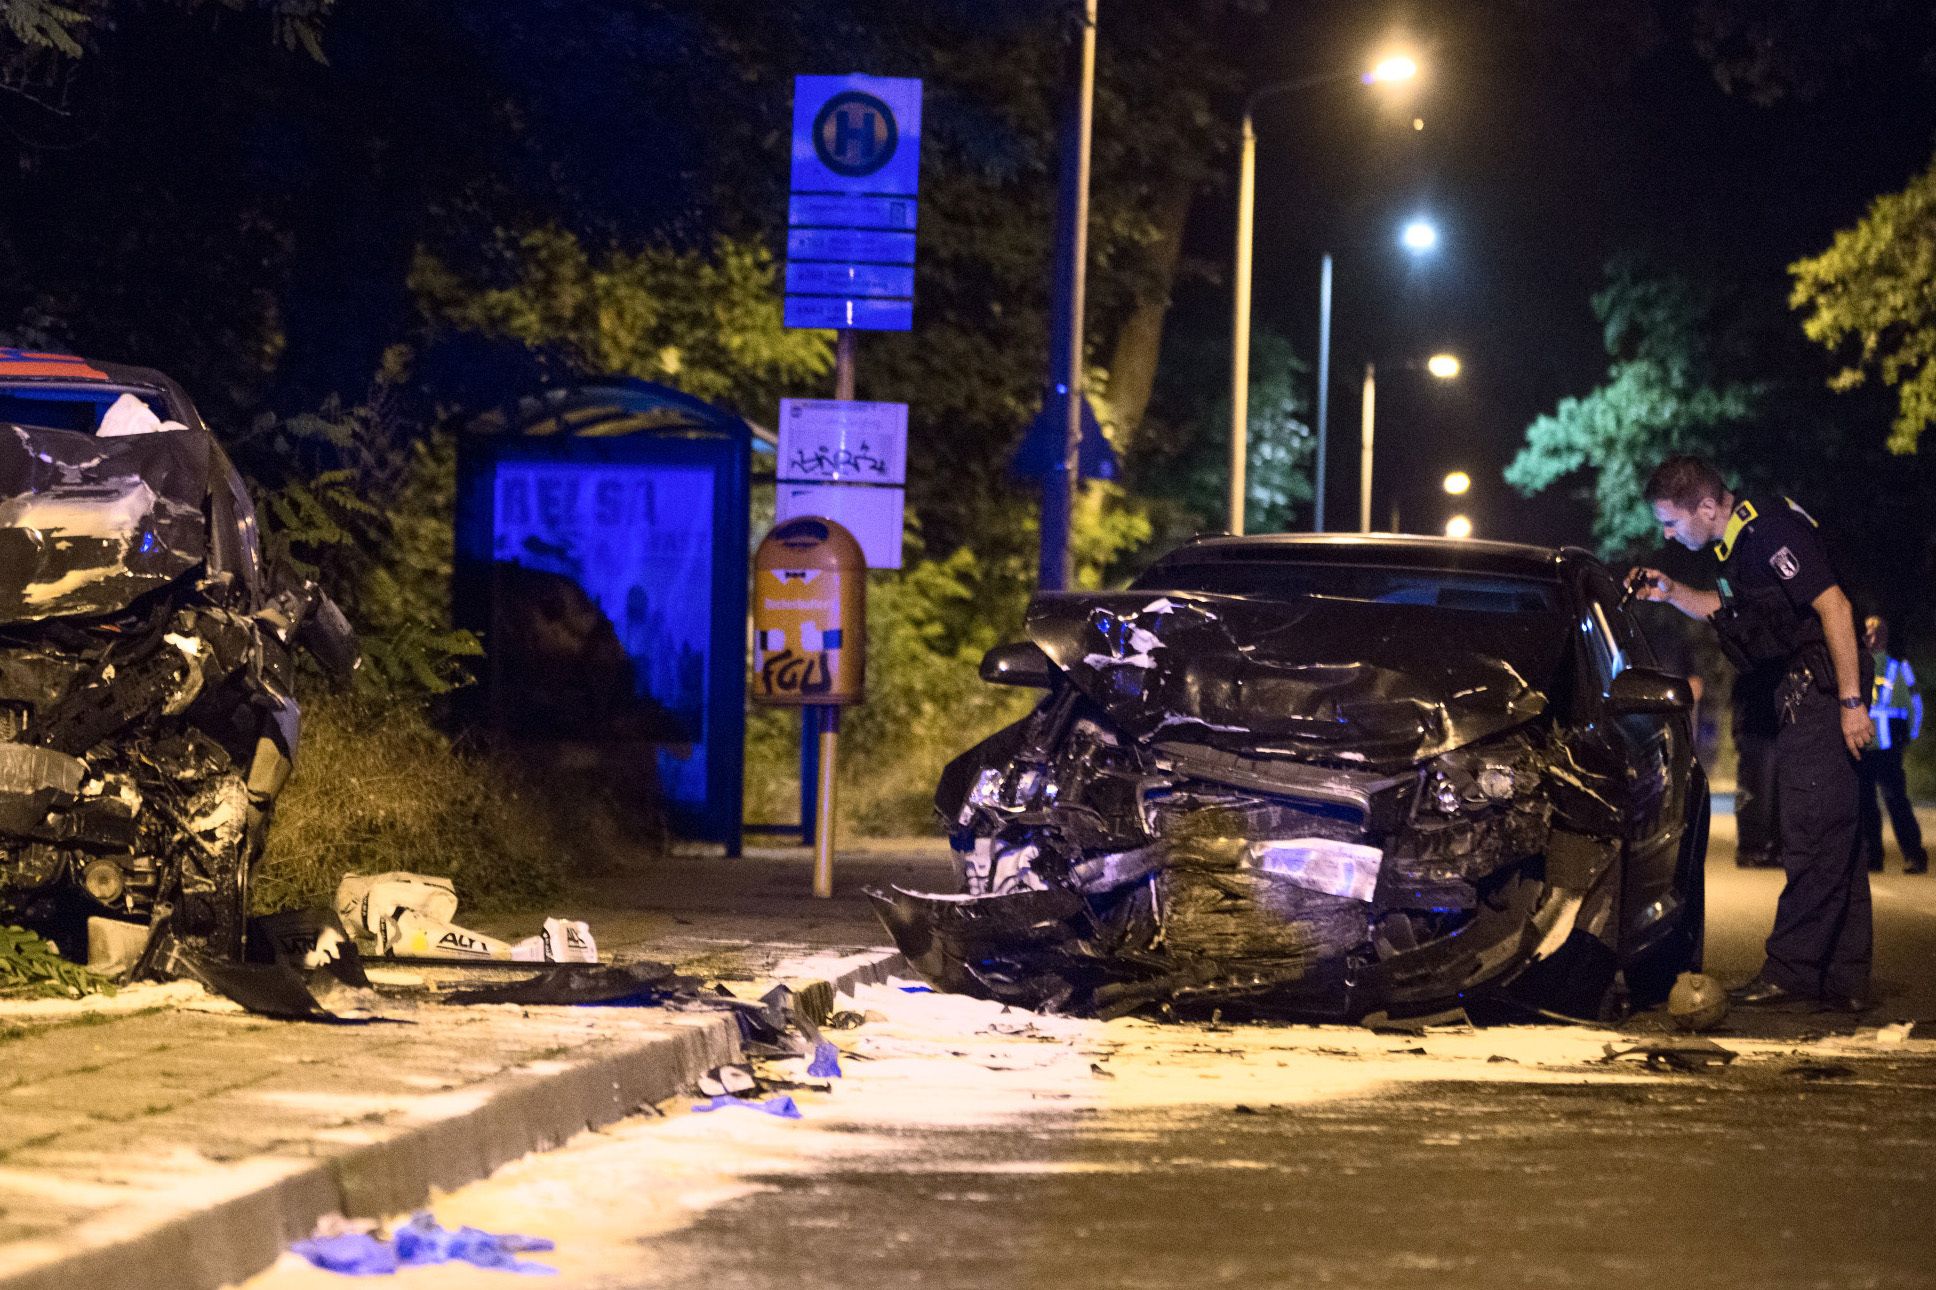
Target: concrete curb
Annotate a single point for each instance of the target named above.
(215, 1240)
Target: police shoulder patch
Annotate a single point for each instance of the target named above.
(1785, 563)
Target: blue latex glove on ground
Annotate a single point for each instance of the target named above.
(421, 1241)
(826, 1061)
(780, 1105)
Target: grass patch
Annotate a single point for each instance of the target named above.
(378, 787)
(32, 968)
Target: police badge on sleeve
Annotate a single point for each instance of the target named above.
(1785, 563)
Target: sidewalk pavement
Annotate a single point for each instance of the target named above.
(165, 1137)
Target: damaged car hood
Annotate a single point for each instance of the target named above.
(1325, 678)
(87, 524)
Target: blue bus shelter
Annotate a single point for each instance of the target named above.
(602, 556)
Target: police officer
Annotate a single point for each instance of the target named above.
(1778, 601)
(1898, 715)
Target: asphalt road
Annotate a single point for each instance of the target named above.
(971, 1147)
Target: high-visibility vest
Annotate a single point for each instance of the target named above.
(1895, 683)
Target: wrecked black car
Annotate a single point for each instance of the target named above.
(147, 721)
(1326, 778)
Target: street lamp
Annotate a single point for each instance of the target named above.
(1443, 367)
(1458, 527)
(1389, 70)
(1458, 483)
(1420, 236)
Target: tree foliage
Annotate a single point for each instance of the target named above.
(70, 28)
(1182, 459)
(1874, 291)
(710, 325)
(1668, 390)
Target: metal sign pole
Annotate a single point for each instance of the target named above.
(820, 725)
(823, 851)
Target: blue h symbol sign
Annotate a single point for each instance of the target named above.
(854, 124)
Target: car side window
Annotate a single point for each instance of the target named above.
(1614, 642)
(1603, 656)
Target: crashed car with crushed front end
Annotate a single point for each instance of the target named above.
(147, 720)
(1326, 778)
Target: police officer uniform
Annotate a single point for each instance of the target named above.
(1773, 566)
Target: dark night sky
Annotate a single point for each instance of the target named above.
(1539, 164)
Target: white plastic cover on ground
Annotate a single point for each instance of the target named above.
(409, 916)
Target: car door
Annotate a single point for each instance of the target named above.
(1656, 750)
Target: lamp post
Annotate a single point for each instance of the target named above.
(1053, 568)
(1391, 69)
(1443, 367)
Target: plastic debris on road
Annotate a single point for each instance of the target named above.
(1687, 1055)
(585, 984)
(779, 1105)
(421, 1242)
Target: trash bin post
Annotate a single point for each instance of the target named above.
(809, 651)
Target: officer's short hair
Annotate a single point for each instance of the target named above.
(1686, 482)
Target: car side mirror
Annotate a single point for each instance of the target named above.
(1018, 663)
(1642, 690)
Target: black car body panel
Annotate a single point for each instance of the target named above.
(1323, 778)
(147, 716)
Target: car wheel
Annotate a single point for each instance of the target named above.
(1651, 976)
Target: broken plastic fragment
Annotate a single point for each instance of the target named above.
(643, 983)
(728, 1080)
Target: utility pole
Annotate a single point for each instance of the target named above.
(1065, 318)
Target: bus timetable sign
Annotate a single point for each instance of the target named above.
(851, 217)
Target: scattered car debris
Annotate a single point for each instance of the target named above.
(735, 1080)
(1322, 779)
(586, 984)
(1687, 1055)
(147, 712)
(418, 1243)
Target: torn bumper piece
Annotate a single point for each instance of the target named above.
(1061, 951)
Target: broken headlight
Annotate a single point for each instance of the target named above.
(1476, 779)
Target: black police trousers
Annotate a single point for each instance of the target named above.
(1823, 935)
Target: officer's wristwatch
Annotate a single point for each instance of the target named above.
(1853, 704)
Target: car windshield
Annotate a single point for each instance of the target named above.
(1399, 613)
(77, 407)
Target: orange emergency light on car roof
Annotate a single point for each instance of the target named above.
(26, 362)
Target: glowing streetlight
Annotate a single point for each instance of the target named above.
(1420, 236)
(1458, 527)
(1397, 67)
(1458, 482)
(1443, 366)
